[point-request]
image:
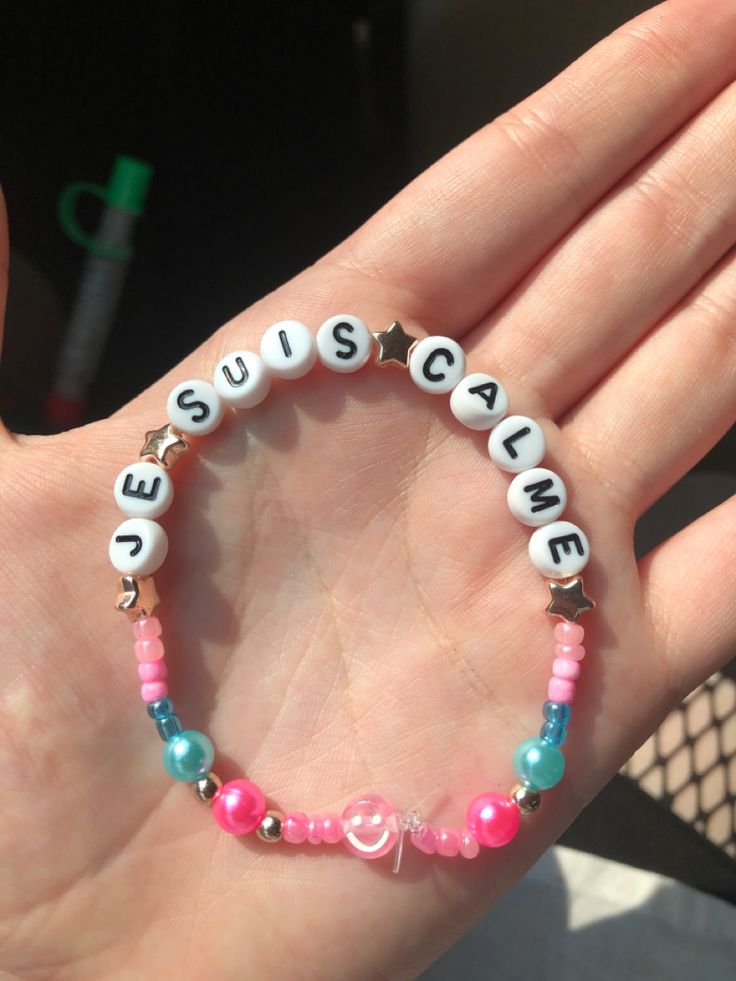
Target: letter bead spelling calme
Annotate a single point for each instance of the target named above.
(369, 826)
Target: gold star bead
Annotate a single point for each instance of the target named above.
(137, 596)
(394, 345)
(164, 446)
(568, 599)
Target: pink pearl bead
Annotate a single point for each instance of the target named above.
(147, 628)
(314, 830)
(569, 633)
(149, 650)
(576, 652)
(152, 671)
(331, 829)
(370, 826)
(561, 690)
(239, 807)
(294, 828)
(448, 843)
(564, 667)
(425, 839)
(493, 819)
(152, 691)
(469, 847)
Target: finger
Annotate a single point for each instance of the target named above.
(457, 239)
(668, 403)
(690, 594)
(623, 268)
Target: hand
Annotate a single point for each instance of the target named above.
(348, 605)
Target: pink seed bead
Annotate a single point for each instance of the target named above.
(569, 633)
(147, 628)
(152, 671)
(331, 829)
(425, 839)
(152, 691)
(314, 830)
(493, 819)
(561, 690)
(239, 807)
(149, 650)
(294, 828)
(448, 843)
(563, 667)
(469, 847)
(576, 652)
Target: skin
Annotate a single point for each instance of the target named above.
(348, 606)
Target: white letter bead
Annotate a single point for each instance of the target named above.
(517, 443)
(242, 380)
(143, 490)
(288, 349)
(536, 496)
(138, 547)
(195, 407)
(437, 364)
(344, 343)
(479, 401)
(559, 550)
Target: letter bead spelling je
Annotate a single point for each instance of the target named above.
(369, 826)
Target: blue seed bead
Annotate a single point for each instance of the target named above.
(538, 764)
(188, 755)
(553, 732)
(164, 706)
(168, 727)
(557, 712)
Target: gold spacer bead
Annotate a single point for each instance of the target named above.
(269, 829)
(137, 596)
(164, 446)
(206, 787)
(526, 800)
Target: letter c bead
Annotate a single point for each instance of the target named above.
(437, 364)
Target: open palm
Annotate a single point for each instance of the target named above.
(348, 606)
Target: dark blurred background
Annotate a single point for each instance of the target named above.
(274, 131)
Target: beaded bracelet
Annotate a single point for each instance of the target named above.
(369, 826)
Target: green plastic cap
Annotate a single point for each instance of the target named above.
(129, 183)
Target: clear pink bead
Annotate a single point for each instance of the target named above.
(152, 691)
(448, 843)
(561, 690)
(569, 633)
(469, 847)
(331, 829)
(370, 826)
(576, 652)
(425, 839)
(294, 828)
(149, 650)
(565, 667)
(314, 830)
(152, 671)
(147, 628)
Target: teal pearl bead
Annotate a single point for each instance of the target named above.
(188, 755)
(538, 764)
